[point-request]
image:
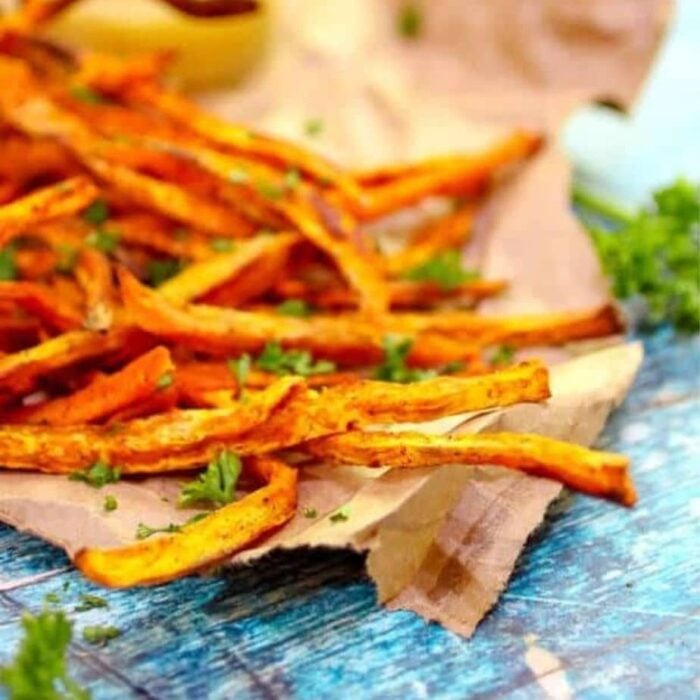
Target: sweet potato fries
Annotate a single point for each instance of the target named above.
(177, 291)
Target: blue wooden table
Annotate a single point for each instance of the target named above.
(604, 603)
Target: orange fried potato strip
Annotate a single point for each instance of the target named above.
(205, 542)
(172, 441)
(107, 394)
(37, 300)
(596, 473)
(52, 202)
(93, 273)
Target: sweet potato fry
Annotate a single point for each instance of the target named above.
(199, 278)
(596, 473)
(107, 394)
(204, 543)
(93, 273)
(53, 202)
(168, 442)
(37, 300)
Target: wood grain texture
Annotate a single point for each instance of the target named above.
(604, 601)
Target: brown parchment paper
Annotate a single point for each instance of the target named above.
(441, 542)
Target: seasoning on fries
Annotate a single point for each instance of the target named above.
(174, 288)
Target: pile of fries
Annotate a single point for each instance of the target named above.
(177, 288)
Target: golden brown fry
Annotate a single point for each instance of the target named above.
(107, 394)
(37, 300)
(204, 543)
(596, 473)
(168, 442)
(53, 202)
(199, 278)
(93, 273)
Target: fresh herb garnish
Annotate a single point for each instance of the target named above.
(278, 361)
(292, 178)
(445, 270)
(309, 512)
(103, 240)
(159, 271)
(100, 634)
(222, 245)
(652, 254)
(340, 516)
(66, 258)
(52, 598)
(8, 266)
(294, 307)
(217, 484)
(503, 355)
(144, 531)
(165, 381)
(86, 94)
(313, 127)
(98, 475)
(393, 367)
(90, 602)
(39, 668)
(97, 213)
(410, 20)
(240, 368)
(273, 190)
(110, 504)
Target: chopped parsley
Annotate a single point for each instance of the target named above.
(393, 367)
(90, 602)
(145, 531)
(98, 475)
(86, 94)
(52, 598)
(503, 355)
(8, 266)
(445, 270)
(39, 667)
(273, 190)
(278, 361)
(159, 271)
(217, 484)
(240, 369)
(652, 254)
(340, 515)
(103, 240)
(294, 307)
(100, 634)
(110, 504)
(165, 381)
(309, 513)
(97, 213)
(292, 178)
(409, 22)
(222, 245)
(313, 127)
(66, 257)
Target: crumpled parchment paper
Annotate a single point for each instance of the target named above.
(441, 542)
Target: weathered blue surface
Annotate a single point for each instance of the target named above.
(613, 596)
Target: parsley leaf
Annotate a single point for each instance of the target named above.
(103, 240)
(98, 475)
(159, 271)
(8, 267)
(86, 94)
(274, 359)
(165, 381)
(144, 531)
(217, 484)
(410, 20)
(240, 369)
(294, 307)
(309, 512)
(100, 634)
(222, 245)
(503, 355)
(39, 668)
(393, 368)
(97, 213)
(445, 269)
(66, 258)
(110, 504)
(313, 127)
(90, 602)
(653, 254)
(340, 515)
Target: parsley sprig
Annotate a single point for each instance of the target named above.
(98, 475)
(8, 266)
(445, 270)
(279, 361)
(39, 668)
(393, 367)
(652, 254)
(217, 484)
